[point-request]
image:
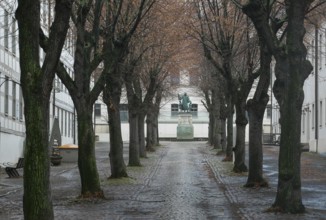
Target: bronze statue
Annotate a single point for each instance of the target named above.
(184, 102)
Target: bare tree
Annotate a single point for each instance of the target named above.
(36, 83)
(122, 21)
(291, 70)
(224, 45)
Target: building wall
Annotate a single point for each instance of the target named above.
(12, 123)
(311, 110)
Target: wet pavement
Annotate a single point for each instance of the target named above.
(180, 180)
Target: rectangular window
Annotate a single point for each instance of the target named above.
(6, 95)
(124, 112)
(66, 118)
(175, 79)
(69, 124)
(194, 109)
(325, 48)
(313, 52)
(60, 115)
(97, 109)
(303, 121)
(14, 99)
(268, 111)
(320, 46)
(174, 109)
(313, 116)
(21, 111)
(13, 37)
(321, 114)
(6, 30)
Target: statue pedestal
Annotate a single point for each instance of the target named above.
(185, 129)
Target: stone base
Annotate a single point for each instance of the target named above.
(185, 132)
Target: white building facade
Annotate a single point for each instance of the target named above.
(313, 117)
(313, 121)
(12, 123)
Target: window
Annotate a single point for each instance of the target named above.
(69, 123)
(124, 113)
(321, 114)
(6, 95)
(6, 30)
(97, 109)
(13, 37)
(60, 115)
(268, 111)
(320, 50)
(66, 119)
(303, 121)
(20, 104)
(194, 109)
(14, 99)
(313, 116)
(174, 109)
(175, 79)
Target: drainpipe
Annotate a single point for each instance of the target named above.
(316, 88)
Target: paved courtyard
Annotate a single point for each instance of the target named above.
(180, 180)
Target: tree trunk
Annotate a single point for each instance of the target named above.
(291, 70)
(36, 84)
(290, 98)
(217, 133)
(134, 159)
(111, 98)
(158, 99)
(150, 135)
(256, 109)
(256, 112)
(210, 128)
(223, 134)
(141, 131)
(216, 115)
(239, 149)
(229, 146)
(36, 159)
(90, 183)
(37, 203)
(155, 130)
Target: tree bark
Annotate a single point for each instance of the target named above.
(111, 98)
(90, 182)
(256, 114)
(291, 70)
(36, 83)
(141, 131)
(210, 128)
(150, 130)
(256, 108)
(223, 134)
(216, 114)
(134, 159)
(239, 149)
(37, 192)
(229, 146)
